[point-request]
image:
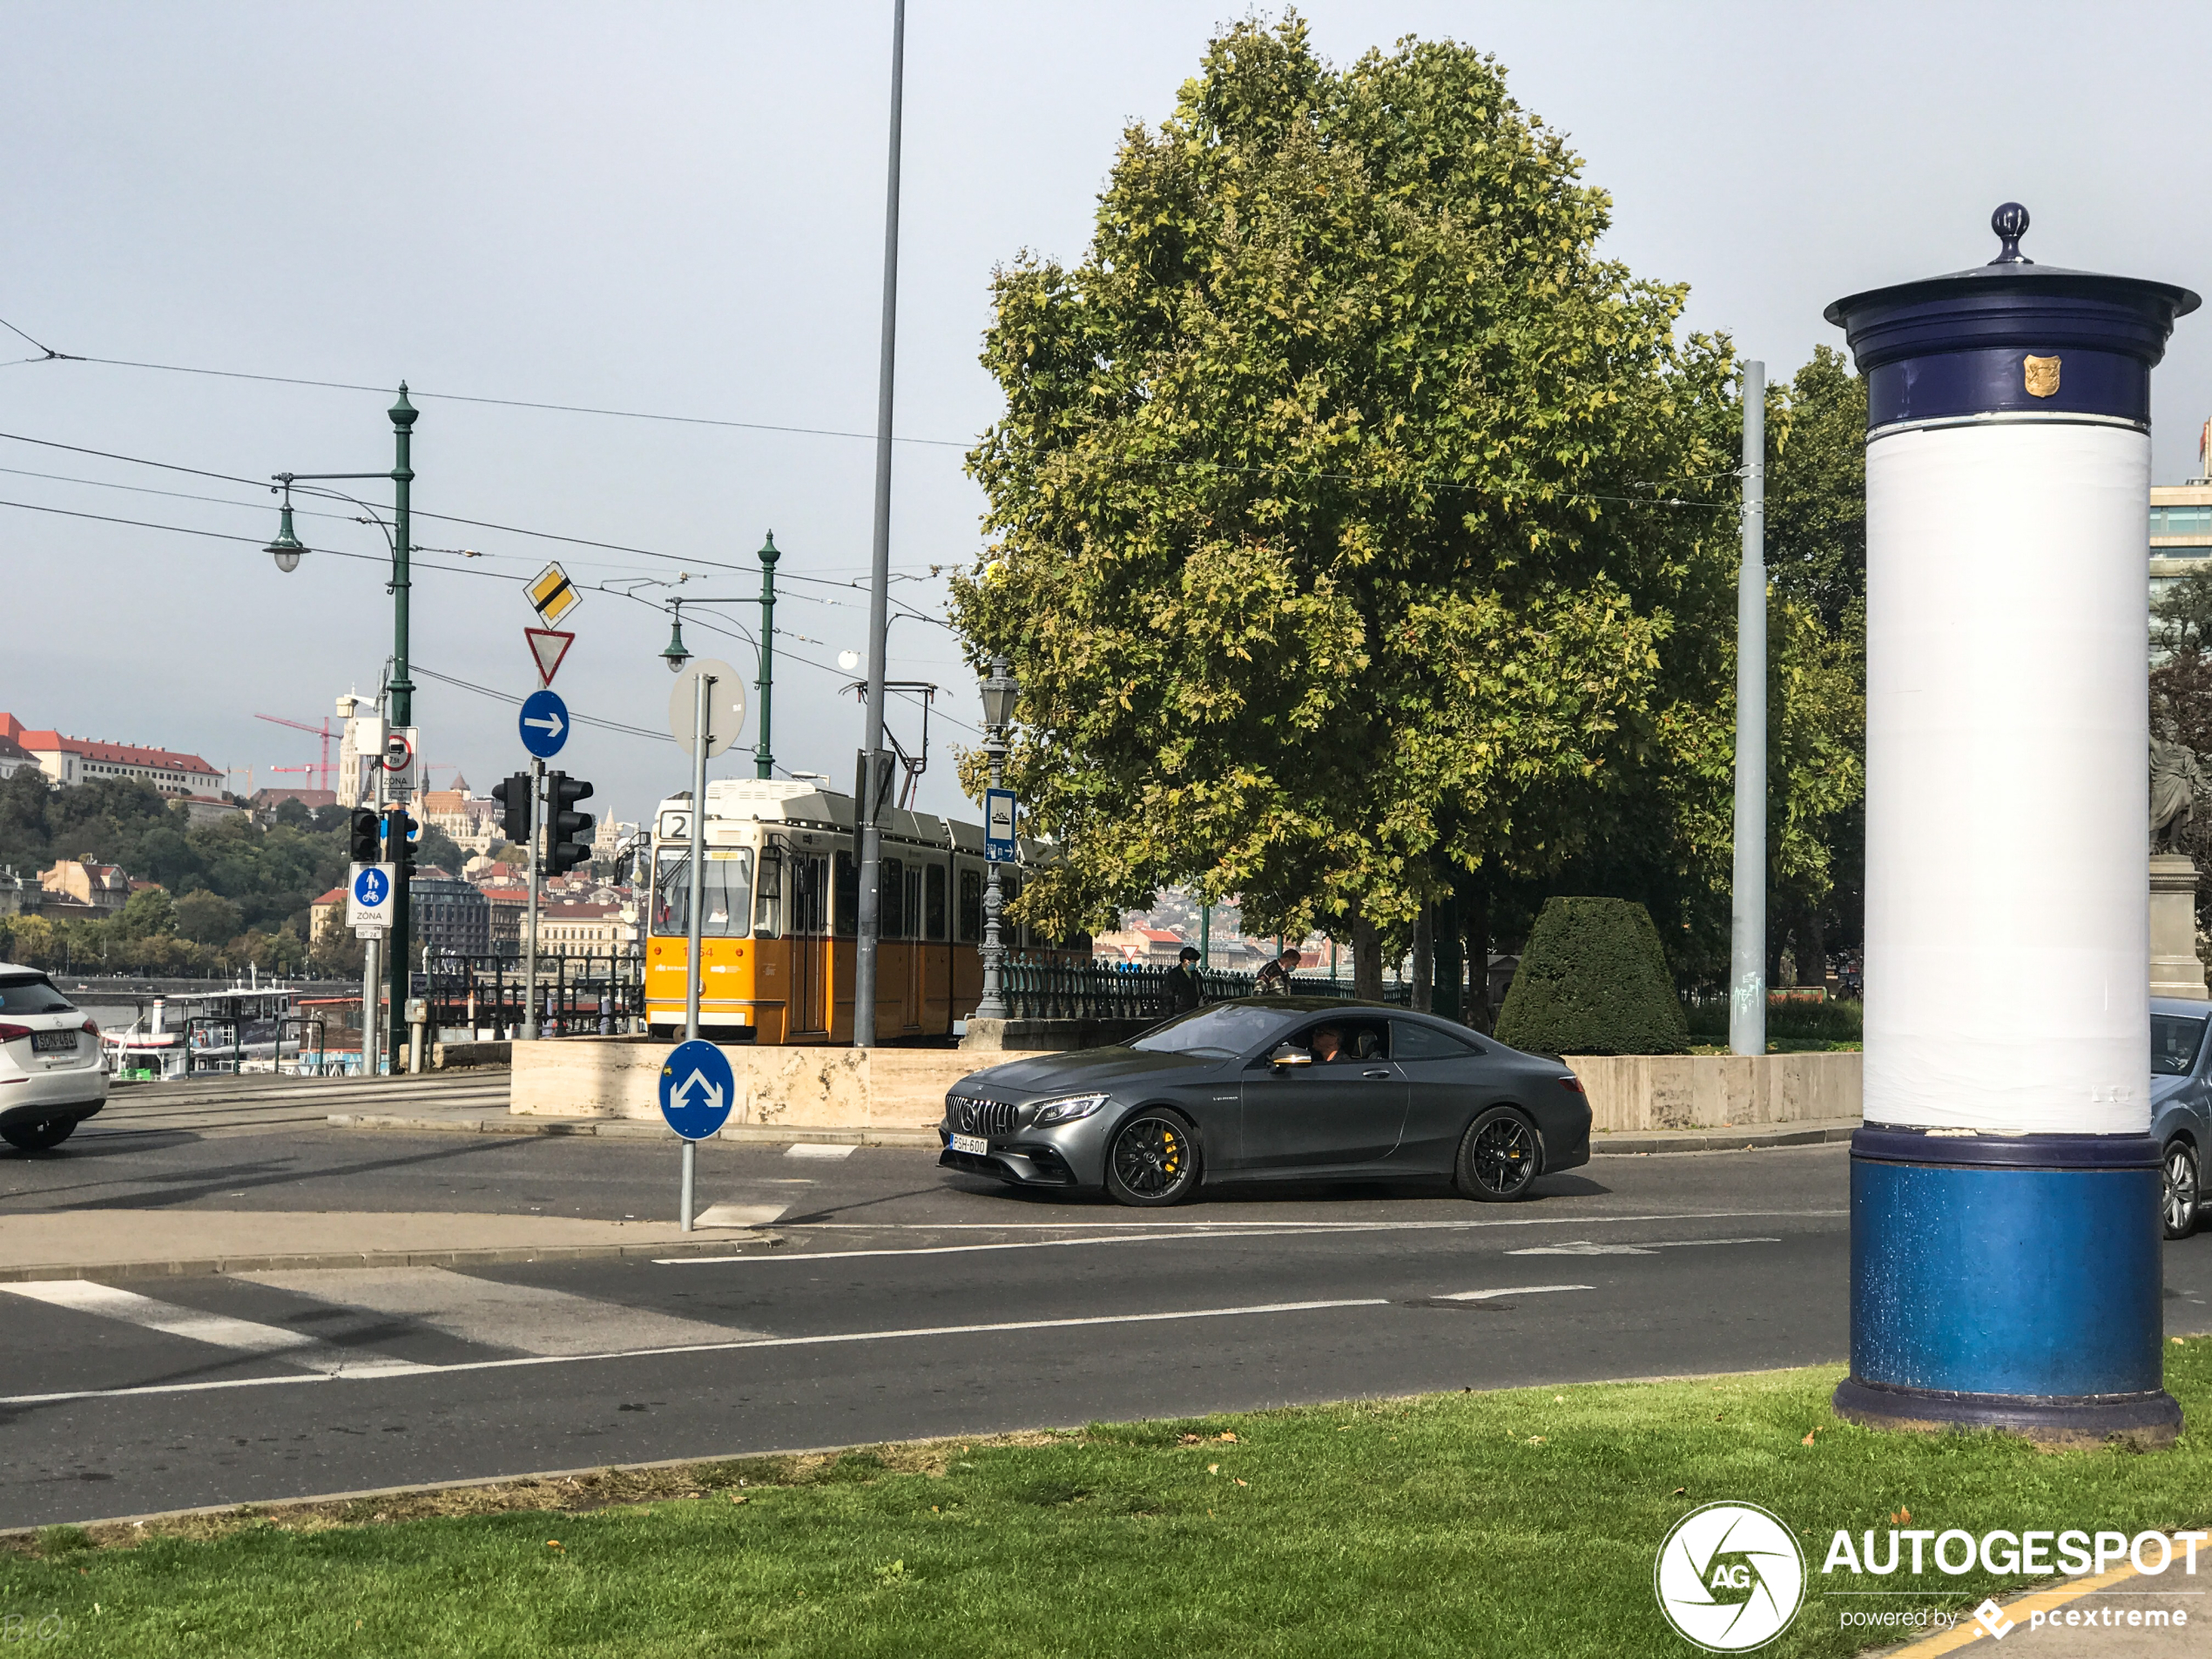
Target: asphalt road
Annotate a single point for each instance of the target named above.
(902, 1302)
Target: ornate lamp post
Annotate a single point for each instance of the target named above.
(400, 690)
(998, 693)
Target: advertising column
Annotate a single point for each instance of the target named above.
(2005, 1188)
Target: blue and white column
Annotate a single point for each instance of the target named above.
(2005, 1188)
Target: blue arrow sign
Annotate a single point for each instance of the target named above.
(697, 1089)
(372, 886)
(545, 724)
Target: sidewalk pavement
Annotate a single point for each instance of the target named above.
(1642, 1142)
(122, 1243)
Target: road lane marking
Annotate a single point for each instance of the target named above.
(1511, 1290)
(1584, 1247)
(522, 1318)
(242, 1336)
(817, 1150)
(831, 1340)
(1285, 1224)
(1255, 1230)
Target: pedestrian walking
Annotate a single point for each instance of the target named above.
(1274, 978)
(1185, 987)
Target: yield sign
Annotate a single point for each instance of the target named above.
(548, 646)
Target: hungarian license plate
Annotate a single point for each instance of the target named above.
(53, 1043)
(976, 1143)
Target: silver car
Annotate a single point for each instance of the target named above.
(2180, 1104)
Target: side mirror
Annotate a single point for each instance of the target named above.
(1286, 1056)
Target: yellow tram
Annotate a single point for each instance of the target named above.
(782, 916)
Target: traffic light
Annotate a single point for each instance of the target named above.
(399, 830)
(363, 838)
(513, 794)
(568, 833)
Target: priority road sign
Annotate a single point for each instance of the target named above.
(697, 1089)
(551, 595)
(544, 724)
(998, 826)
(368, 897)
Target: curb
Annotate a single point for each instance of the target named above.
(1754, 1140)
(636, 1129)
(203, 1266)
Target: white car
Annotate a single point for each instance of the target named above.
(50, 1077)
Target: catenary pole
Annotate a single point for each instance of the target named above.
(529, 924)
(879, 588)
(1746, 915)
(404, 416)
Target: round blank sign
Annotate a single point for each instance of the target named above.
(724, 706)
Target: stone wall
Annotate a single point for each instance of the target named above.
(800, 1087)
(1645, 1091)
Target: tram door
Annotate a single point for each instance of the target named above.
(809, 947)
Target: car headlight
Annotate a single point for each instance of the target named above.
(1066, 1109)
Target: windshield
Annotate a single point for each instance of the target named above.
(2174, 1038)
(1226, 1031)
(30, 995)
(729, 892)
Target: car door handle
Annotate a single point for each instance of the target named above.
(1374, 1073)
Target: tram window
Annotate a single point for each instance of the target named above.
(845, 901)
(768, 896)
(933, 902)
(971, 905)
(808, 875)
(910, 912)
(728, 893)
(890, 886)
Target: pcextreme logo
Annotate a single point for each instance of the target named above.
(1730, 1577)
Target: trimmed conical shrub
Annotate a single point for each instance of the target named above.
(1594, 981)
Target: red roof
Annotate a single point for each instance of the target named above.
(336, 896)
(119, 754)
(508, 896)
(1158, 935)
(575, 912)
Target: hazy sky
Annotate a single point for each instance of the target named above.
(677, 209)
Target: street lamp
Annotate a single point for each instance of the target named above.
(1000, 691)
(400, 690)
(676, 656)
(287, 548)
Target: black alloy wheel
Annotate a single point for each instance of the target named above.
(38, 1135)
(2177, 1208)
(1153, 1160)
(1499, 1157)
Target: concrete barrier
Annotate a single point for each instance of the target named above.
(1649, 1091)
(809, 1088)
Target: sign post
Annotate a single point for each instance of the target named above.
(696, 1091)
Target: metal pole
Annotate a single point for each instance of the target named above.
(992, 1007)
(764, 757)
(1205, 938)
(1747, 921)
(373, 970)
(402, 689)
(695, 925)
(530, 921)
(879, 592)
(694, 967)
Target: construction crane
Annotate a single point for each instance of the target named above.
(323, 770)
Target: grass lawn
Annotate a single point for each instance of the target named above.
(1517, 1523)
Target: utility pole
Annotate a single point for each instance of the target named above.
(402, 689)
(764, 757)
(1747, 917)
(695, 923)
(880, 590)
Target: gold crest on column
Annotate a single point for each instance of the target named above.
(2042, 375)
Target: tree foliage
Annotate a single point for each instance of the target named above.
(1355, 526)
(1593, 979)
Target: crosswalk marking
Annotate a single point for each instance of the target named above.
(1584, 1247)
(526, 1319)
(243, 1336)
(817, 1150)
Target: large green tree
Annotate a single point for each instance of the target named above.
(1347, 507)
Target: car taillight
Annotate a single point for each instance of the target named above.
(91, 1025)
(10, 1033)
(1571, 1083)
